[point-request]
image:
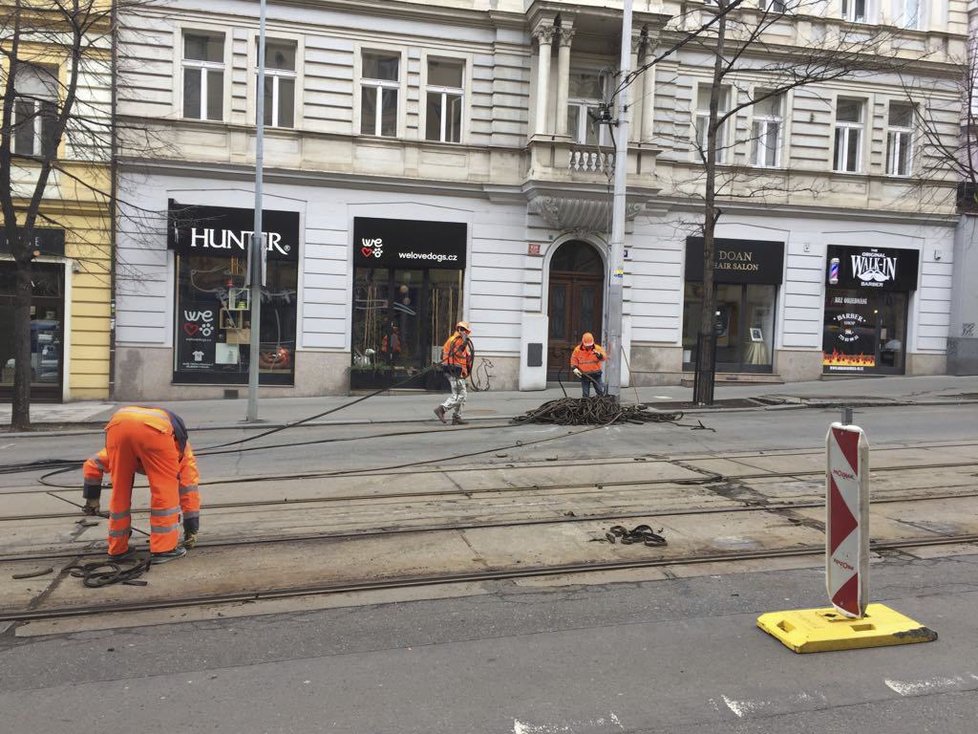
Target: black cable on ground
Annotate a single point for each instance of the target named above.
(105, 573)
(203, 451)
(598, 410)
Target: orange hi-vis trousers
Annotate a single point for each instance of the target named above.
(135, 435)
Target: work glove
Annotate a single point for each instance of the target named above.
(577, 372)
(91, 507)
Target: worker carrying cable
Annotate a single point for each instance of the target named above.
(151, 441)
(586, 361)
(457, 358)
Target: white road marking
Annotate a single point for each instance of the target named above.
(662, 397)
(927, 685)
(742, 708)
(7, 445)
(522, 727)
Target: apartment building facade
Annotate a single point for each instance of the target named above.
(72, 241)
(426, 162)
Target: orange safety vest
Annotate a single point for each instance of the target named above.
(458, 354)
(587, 360)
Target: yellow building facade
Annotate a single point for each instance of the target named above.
(71, 312)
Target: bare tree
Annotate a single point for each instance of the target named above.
(57, 137)
(945, 119)
(758, 55)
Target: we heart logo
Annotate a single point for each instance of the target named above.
(191, 329)
(367, 251)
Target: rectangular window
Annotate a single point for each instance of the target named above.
(379, 86)
(212, 330)
(848, 134)
(899, 139)
(35, 110)
(703, 121)
(766, 131)
(445, 95)
(911, 14)
(775, 7)
(585, 95)
(854, 10)
(279, 83)
(203, 76)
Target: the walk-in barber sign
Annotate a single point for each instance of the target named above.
(847, 519)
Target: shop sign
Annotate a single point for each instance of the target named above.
(408, 244)
(220, 231)
(849, 340)
(44, 242)
(196, 336)
(737, 261)
(878, 268)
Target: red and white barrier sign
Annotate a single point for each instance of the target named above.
(847, 519)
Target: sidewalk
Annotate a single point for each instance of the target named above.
(495, 405)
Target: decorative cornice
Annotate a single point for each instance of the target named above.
(580, 214)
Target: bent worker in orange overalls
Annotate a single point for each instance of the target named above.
(151, 441)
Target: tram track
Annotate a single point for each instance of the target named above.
(405, 582)
(708, 477)
(921, 494)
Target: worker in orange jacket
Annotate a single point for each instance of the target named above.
(586, 361)
(151, 441)
(457, 357)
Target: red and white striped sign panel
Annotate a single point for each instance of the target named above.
(847, 519)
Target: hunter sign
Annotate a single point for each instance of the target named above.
(225, 232)
(878, 268)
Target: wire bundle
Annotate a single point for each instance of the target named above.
(594, 411)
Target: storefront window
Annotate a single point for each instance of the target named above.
(747, 274)
(213, 313)
(402, 315)
(866, 302)
(47, 337)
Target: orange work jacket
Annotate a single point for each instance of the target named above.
(587, 360)
(458, 354)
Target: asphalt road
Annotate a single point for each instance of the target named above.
(681, 655)
(677, 655)
(329, 448)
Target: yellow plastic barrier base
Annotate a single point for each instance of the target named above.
(825, 630)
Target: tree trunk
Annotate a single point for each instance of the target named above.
(706, 344)
(20, 419)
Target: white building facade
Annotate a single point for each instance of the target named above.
(432, 161)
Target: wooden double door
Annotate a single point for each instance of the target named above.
(575, 304)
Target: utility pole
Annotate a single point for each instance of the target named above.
(616, 261)
(257, 249)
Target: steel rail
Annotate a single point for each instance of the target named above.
(442, 579)
(752, 506)
(708, 478)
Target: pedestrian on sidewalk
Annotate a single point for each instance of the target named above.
(150, 441)
(457, 357)
(586, 361)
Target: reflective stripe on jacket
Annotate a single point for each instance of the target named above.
(587, 360)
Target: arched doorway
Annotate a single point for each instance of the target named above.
(575, 305)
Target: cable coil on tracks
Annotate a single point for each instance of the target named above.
(595, 411)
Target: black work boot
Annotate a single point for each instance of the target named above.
(457, 420)
(178, 552)
(440, 412)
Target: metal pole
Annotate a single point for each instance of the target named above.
(257, 240)
(616, 262)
